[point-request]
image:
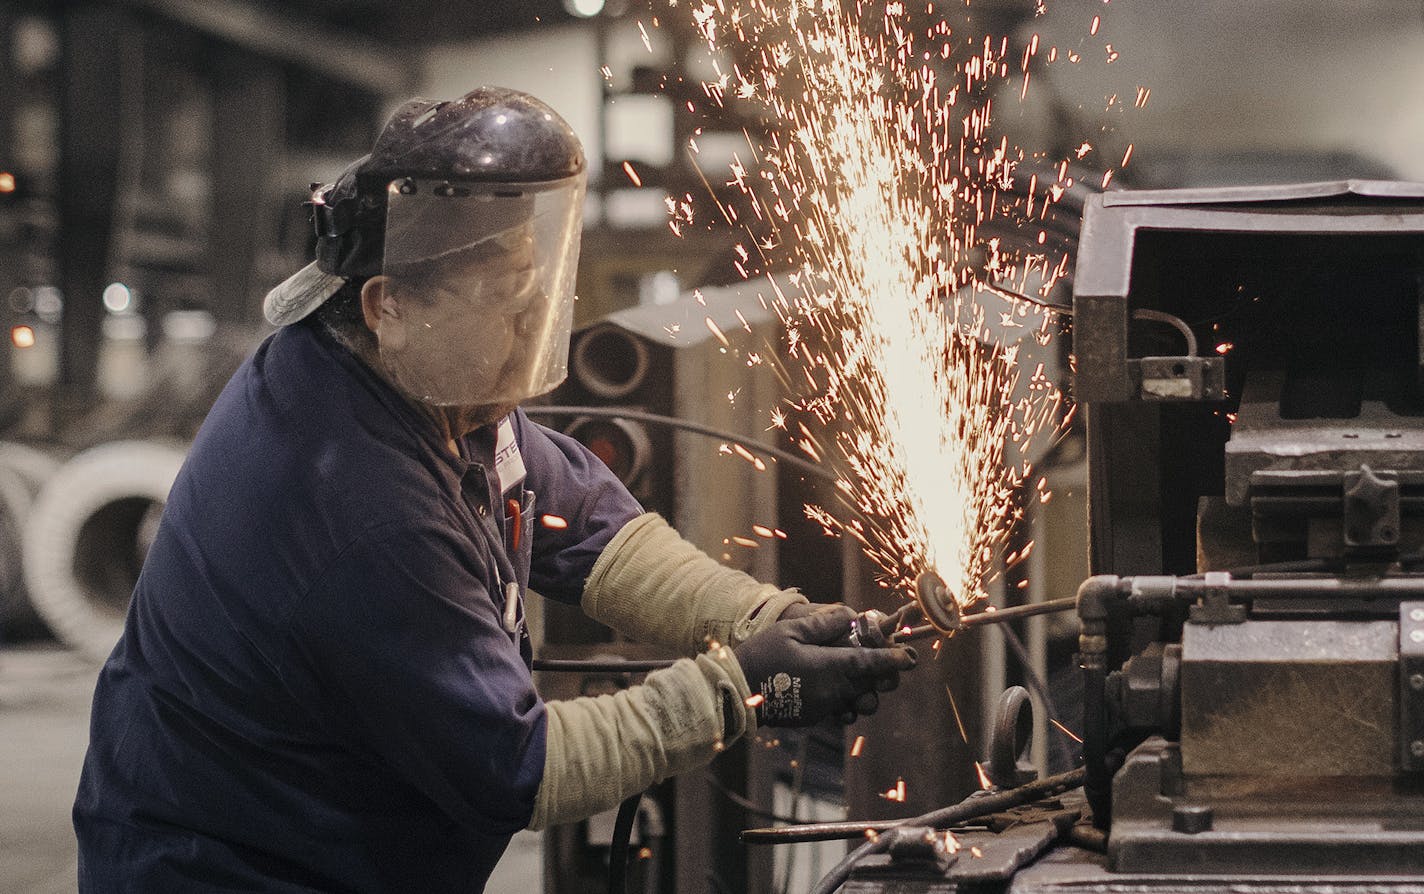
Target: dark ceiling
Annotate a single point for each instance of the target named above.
(423, 21)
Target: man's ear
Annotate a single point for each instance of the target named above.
(378, 303)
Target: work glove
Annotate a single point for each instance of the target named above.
(651, 585)
(800, 610)
(805, 671)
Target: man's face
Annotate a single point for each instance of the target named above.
(467, 329)
(470, 319)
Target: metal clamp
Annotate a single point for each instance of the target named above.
(1411, 686)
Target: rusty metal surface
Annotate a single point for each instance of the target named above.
(1289, 698)
(1261, 441)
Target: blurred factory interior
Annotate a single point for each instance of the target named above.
(154, 157)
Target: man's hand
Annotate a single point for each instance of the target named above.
(800, 610)
(805, 671)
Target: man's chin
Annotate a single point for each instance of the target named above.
(472, 418)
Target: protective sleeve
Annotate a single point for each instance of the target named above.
(654, 586)
(585, 501)
(602, 750)
(417, 671)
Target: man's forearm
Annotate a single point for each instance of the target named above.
(600, 750)
(654, 586)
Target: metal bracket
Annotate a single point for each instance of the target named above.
(1371, 511)
(1179, 378)
(1411, 686)
(1215, 606)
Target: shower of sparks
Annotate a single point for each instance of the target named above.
(883, 185)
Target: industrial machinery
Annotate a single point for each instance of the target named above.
(1250, 369)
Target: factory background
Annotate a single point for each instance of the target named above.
(154, 155)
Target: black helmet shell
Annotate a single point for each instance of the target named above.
(489, 135)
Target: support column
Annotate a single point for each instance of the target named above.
(248, 139)
(90, 124)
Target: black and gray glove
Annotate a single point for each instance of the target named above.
(805, 670)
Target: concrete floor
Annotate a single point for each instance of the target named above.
(44, 728)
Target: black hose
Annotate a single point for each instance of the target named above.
(600, 666)
(618, 848)
(780, 455)
(1031, 677)
(745, 803)
(974, 806)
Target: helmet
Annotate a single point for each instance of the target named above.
(491, 135)
(468, 214)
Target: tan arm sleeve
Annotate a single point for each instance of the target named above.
(601, 750)
(655, 587)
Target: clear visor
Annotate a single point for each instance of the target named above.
(479, 287)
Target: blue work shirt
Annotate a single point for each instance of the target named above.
(316, 688)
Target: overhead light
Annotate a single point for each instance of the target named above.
(117, 298)
(584, 9)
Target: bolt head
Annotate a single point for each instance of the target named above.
(1416, 682)
(1416, 748)
(1416, 614)
(1416, 636)
(1194, 819)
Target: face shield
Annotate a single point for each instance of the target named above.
(479, 281)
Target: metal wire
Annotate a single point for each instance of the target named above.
(1177, 323)
(974, 806)
(777, 453)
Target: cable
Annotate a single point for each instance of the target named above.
(748, 804)
(790, 459)
(619, 846)
(1031, 676)
(1178, 323)
(1031, 299)
(600, 666)
(974, 806)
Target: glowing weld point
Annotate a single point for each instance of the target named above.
(857, 746)
(554, 522)
(632, 174)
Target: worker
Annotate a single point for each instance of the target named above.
(324, 678)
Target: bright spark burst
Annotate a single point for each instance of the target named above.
(878, 180)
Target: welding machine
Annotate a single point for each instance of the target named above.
(1250, 370)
